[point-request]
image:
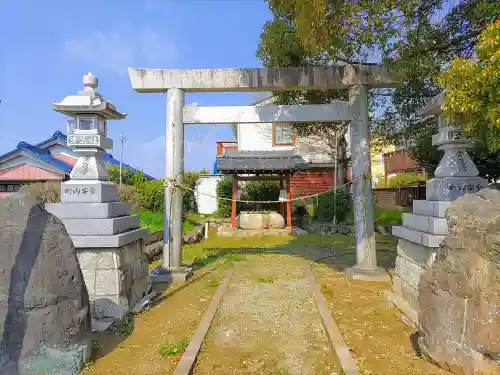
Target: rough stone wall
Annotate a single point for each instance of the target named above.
(116, 278)
(44, 309)
(459, 300)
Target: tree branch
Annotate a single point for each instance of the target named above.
(445, 45)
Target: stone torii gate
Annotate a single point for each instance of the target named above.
(357, 79)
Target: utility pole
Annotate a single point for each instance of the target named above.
(122, 140)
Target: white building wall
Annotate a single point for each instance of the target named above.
(205, 193)
(259, 137)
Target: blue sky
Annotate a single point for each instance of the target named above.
(49, 45)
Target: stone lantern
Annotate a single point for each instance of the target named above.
(87, 132)
(426, 227)
(108, 240)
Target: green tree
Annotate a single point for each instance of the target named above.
(415, 37)
(473, 88)
(189, 200)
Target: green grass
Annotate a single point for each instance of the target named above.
(155, 221)
(381, 216)
(387, 216)
(126, 326)
(265, 279)
(225, 251)
(174, 348)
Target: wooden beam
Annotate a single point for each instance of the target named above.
(289, 201)
(336, 111)
(261, 178)
(262, 79)
(233, 202)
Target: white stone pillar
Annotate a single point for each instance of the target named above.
(172, 249)
(366, 256)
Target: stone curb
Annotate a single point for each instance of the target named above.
(346, 361)
(188, 359)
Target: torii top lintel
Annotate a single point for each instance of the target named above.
(261, 79)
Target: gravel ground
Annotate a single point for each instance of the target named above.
(267, 323)
(173, 319)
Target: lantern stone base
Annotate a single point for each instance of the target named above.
(109, 244)
(451, 188)
(419, 239)
(89, 210)
(101, 227)
(90, 191)
(116, 278)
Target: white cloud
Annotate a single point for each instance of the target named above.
(117, 49)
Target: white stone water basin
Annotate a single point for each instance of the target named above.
(260, 220)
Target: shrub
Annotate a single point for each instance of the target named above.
(114, 175)
(262, 191)
(224, 189)
(400, 180)
(387, 216)
(44, 192)
(325, 205)
(151, 195)
(130, 195)
(189, 199)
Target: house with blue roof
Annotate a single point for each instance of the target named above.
(49, 160)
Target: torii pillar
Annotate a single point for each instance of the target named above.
(358, 79)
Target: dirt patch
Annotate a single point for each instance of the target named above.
(379, 342)
(175, 318)
(267, 323)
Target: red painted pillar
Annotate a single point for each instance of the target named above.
(289, 201)
(233, 203)
(282, 203)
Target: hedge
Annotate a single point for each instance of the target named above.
(324, 208)
(224, 189)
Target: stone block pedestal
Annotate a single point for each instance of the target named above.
(109, 244)
(419, 240)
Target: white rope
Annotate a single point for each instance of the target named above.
(184, 187)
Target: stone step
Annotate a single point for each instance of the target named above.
(116, 240)
(101, 227)
(426, 239)
(430, 208)
(428, 224)
(89, 210)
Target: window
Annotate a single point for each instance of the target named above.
(102, 126)
(283, 135)
(3, 188)
(71, 126)
(85, 123)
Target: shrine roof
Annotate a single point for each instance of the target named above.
(233, 161)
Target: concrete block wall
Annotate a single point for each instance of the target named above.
(116, 278)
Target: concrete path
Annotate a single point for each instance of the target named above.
(267, 323)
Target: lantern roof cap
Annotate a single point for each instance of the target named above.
(88, 101)
(433, 106)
